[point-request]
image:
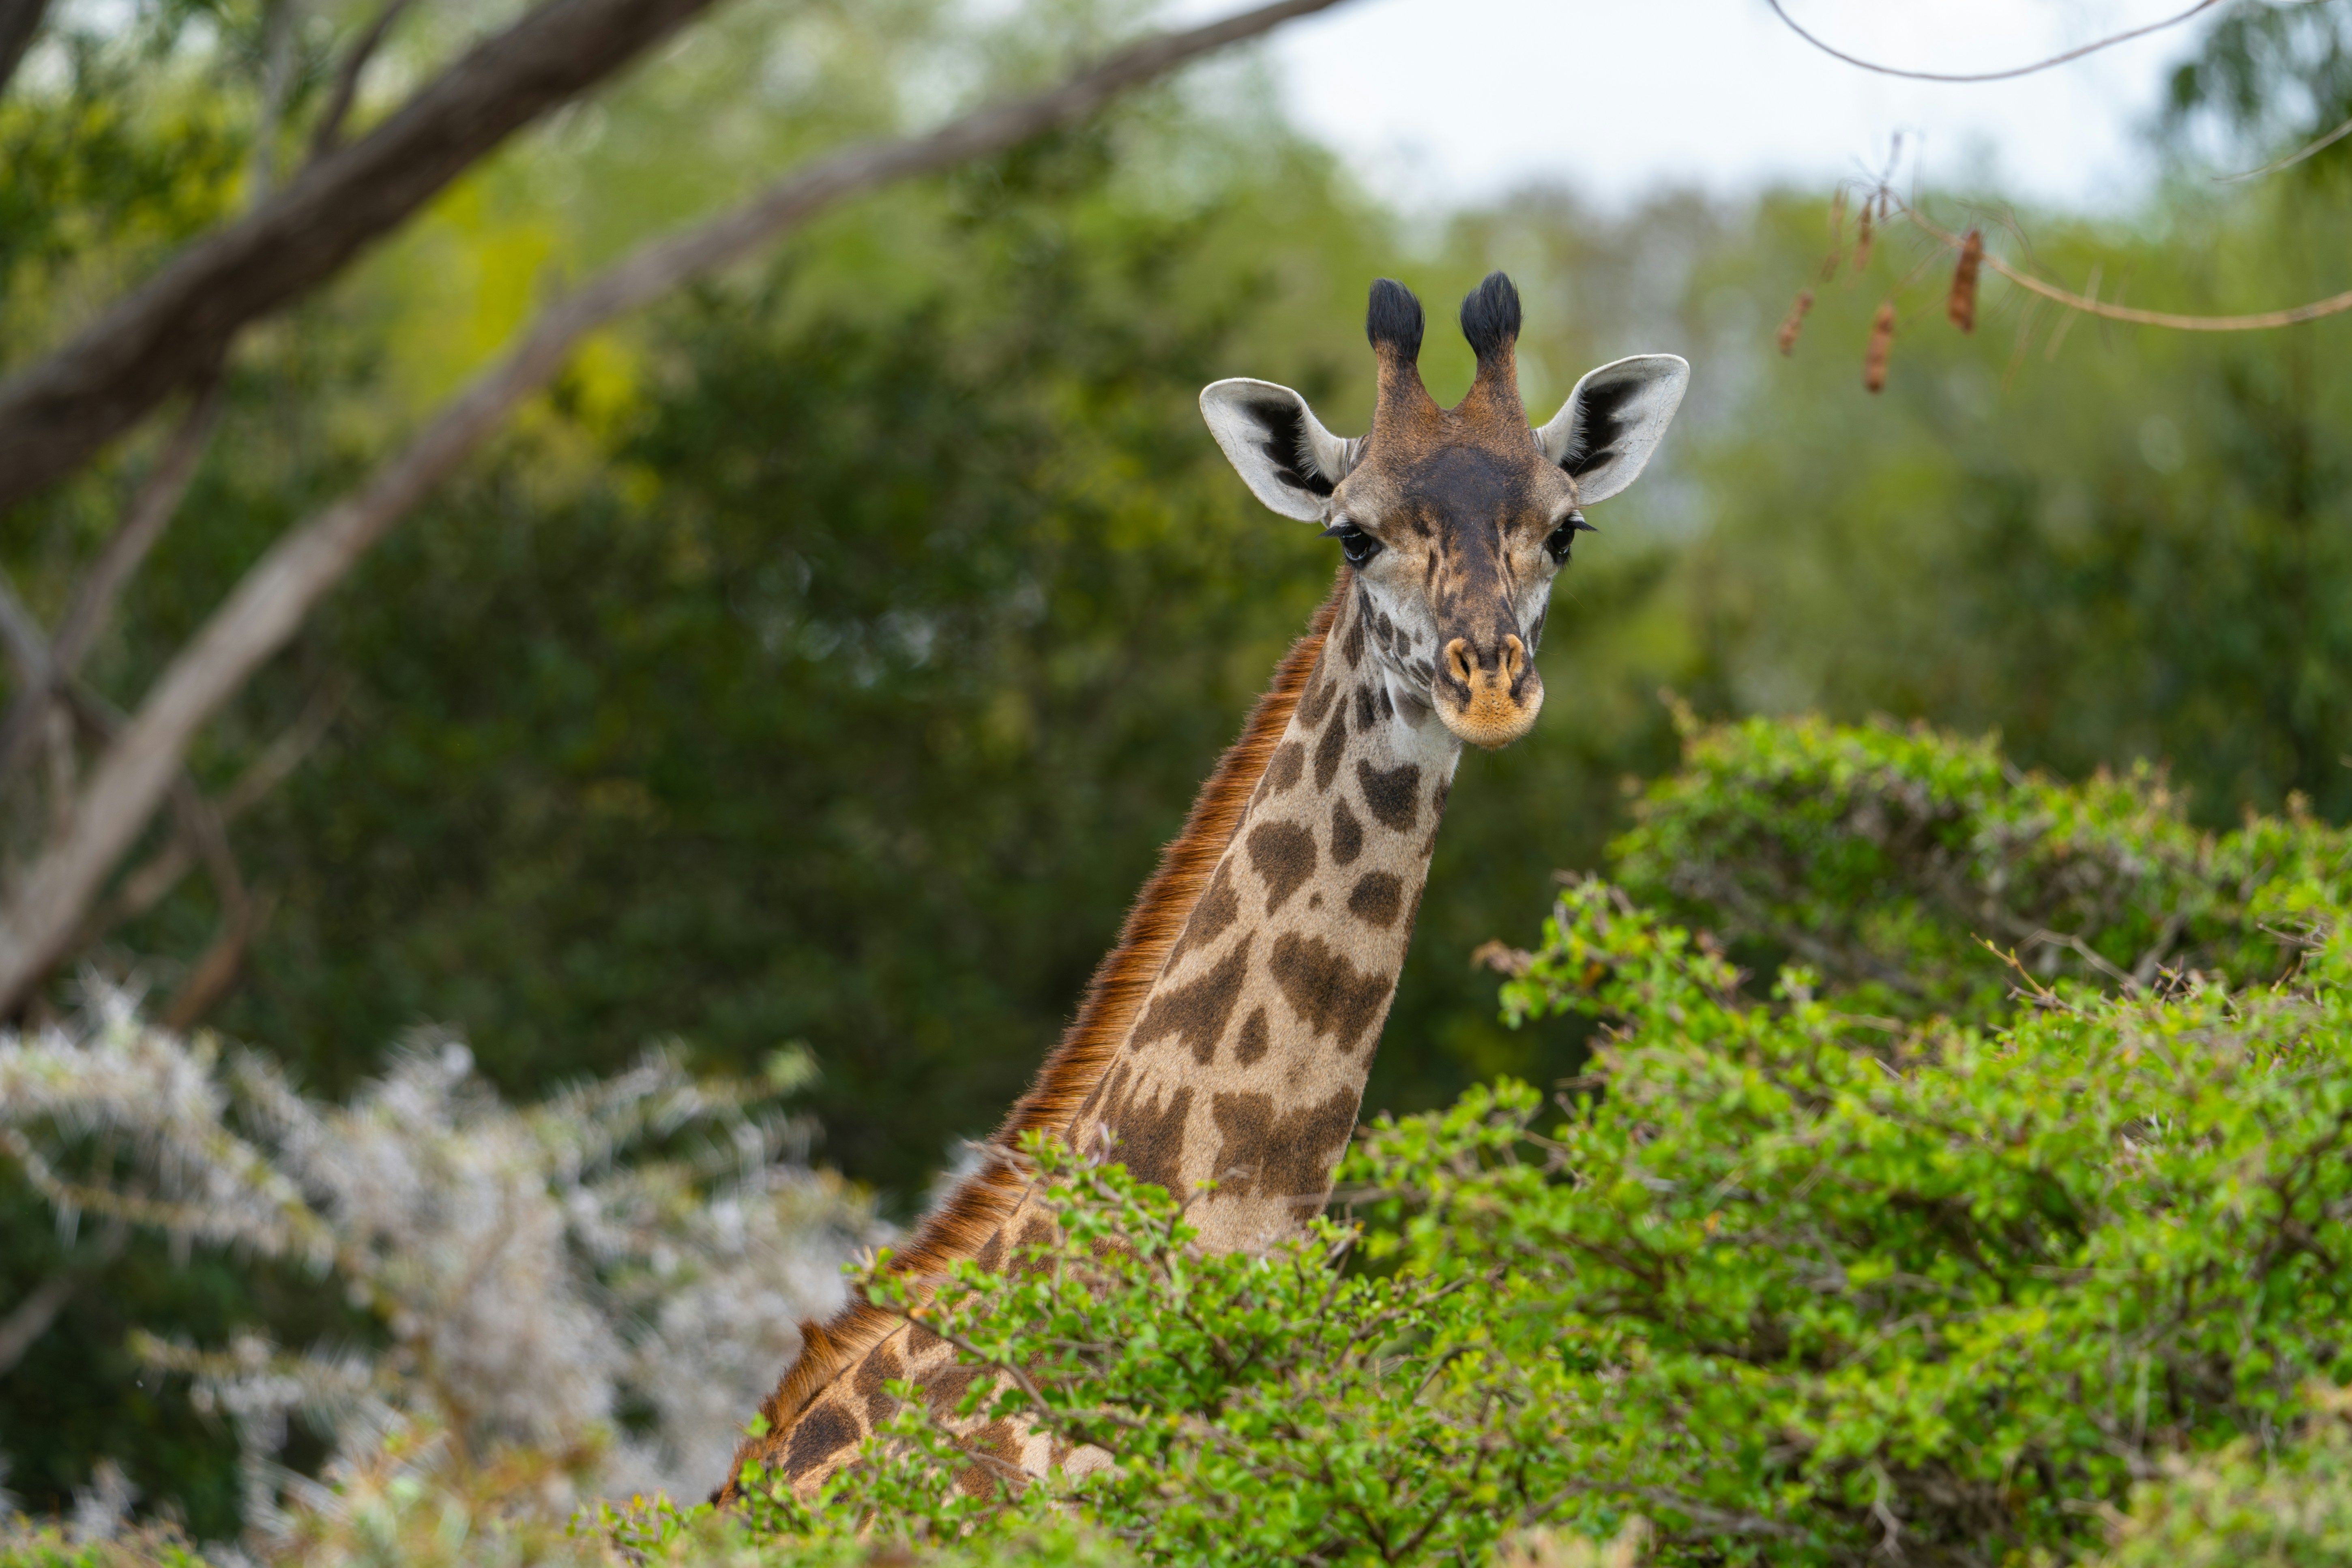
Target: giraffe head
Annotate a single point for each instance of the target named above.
(1455, 520)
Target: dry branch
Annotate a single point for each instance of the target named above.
(2058, 59)
(56, 413)
(269, 603)
(2089, 304)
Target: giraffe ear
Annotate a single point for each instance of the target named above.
(1603, 435)
(1278, 446)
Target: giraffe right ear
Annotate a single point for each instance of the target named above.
(1277, 445)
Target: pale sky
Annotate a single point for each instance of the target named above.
(1436, 102)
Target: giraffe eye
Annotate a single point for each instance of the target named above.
(1565, 535)
(1354, 543)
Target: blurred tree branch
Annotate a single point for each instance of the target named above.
(57, 413)
(19, 20)
(328, 134)
(136, 772)
(2013, 71)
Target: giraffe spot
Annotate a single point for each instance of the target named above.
(1328, 749)
(1319, 701)
(1196, 1011)
(1243, 1122)
(1037, 1232)
(974, 1482)
(1151, 1143)
(1347, 833)
(993, 1252)
(1389, 792)
(1387, 629)
(1104, 1093)
(1375, 899)
(881, 1365)
(1388, 709)
(1352, 649)
(1314, 901)
(1366, 707)
(1289, 762)
(1283, 854)
(1250, 1044)
(999, 1440)
(947, 1386)
(822, 1432)
(1330, 993)
(1437, 797)
(1535, 632)
(1301, 1149)
(1217, 909)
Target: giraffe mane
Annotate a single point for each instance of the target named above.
(963, 1224)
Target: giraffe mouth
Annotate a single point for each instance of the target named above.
(1487, 701)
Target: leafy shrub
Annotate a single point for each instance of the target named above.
(1789, 1277)
(1800, 1282)
(1886, 859)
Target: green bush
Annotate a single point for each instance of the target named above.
(1797, 1282)
(1789, 1277)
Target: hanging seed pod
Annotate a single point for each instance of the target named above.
(1882, 340)
(1795, 321)
(1862, 240)
(1837, 236)
(1962, 305)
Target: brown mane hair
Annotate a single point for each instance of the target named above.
(961, 1224)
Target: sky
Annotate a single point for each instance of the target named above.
(1435, 102)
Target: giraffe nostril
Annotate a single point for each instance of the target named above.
(1458, 660)
(1515, 657)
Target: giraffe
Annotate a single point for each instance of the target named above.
(1228, 1035)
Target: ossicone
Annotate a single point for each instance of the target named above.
(1392, 320)
(1490, 317)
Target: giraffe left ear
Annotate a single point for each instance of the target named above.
(1278, 446)
(1603, 435)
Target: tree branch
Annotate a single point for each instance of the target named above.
(19, 20)
(2318, 144)
(2335, 304)
(271, 600)
(329, 135)
(2075, 54)
(31, 1317)
(57, 412)
(152, 509)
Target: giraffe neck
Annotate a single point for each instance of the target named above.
(1246, 1062)
(1226, 1038)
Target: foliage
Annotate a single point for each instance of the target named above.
(1886, 859)
(1799, 1283)
(614, 1271)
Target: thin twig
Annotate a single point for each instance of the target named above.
(31, 1317)
(330, 131)
(2335, 304)
(2074, 53)
(152, 509)
(2298, 156)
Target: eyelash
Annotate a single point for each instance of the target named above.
(1358, 546)
(1565, 535)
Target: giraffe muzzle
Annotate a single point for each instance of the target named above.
(1488, 699)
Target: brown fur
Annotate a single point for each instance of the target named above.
(963, 1224)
